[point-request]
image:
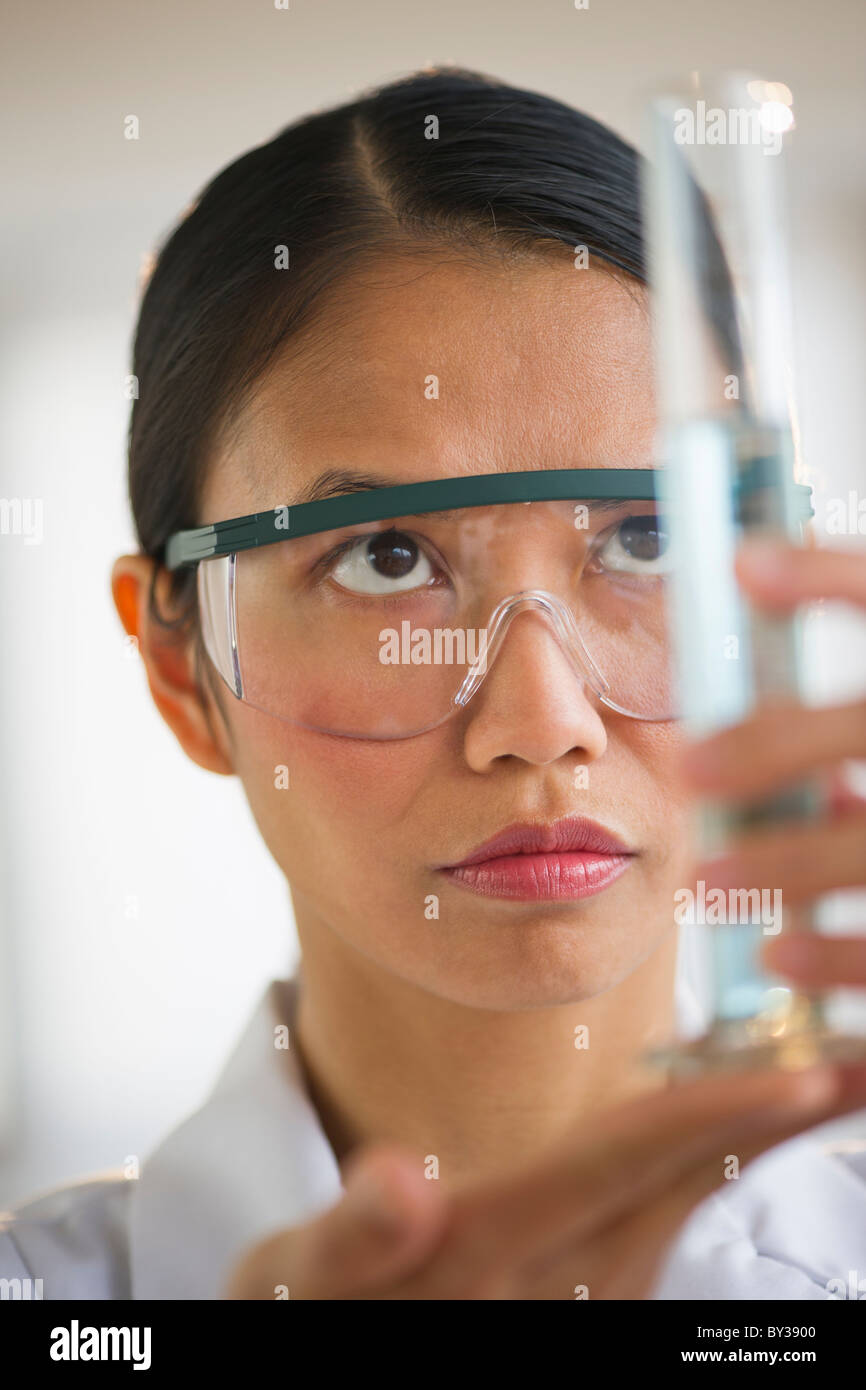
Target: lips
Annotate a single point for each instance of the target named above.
(569, 859)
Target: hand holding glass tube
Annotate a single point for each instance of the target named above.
(775, 749)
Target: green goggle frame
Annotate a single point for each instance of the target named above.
(188, 548)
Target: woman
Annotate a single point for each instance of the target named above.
(448, 1100)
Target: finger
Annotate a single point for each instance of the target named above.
(384, 1227)
(623, 1259)
(781, 576)
(633, 1151)
(821, 961)
(777, 746)
(801, 861)
(847, 1095)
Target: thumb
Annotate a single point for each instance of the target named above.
(382, 1229)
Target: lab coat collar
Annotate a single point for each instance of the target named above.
(252, 1159)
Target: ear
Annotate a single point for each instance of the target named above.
(169, 661)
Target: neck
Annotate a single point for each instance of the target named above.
(483, 1091)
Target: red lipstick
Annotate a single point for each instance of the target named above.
(569, 859)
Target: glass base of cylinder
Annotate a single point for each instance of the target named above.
(733, 1046)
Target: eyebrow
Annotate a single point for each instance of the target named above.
(342, 482)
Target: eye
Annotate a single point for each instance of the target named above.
(385, 563)
(638, 545)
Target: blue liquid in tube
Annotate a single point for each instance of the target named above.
(721, 482)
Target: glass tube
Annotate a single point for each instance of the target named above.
(716, 229)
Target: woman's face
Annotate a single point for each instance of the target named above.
(539, 366)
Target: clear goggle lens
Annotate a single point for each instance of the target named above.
(384, 629)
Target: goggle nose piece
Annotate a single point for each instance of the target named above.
(560, 618)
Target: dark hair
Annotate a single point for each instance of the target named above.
(509, 171)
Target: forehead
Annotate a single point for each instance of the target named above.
(426, 367)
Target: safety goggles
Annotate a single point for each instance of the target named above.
(379, 613)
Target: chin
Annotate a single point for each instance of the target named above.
(537, 967)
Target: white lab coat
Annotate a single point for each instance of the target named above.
(254, 1158)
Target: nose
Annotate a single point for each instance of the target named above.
(532, 701)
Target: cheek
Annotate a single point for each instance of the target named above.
(323, 803)
(657, 748)
(667, 807)
(311, 790)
